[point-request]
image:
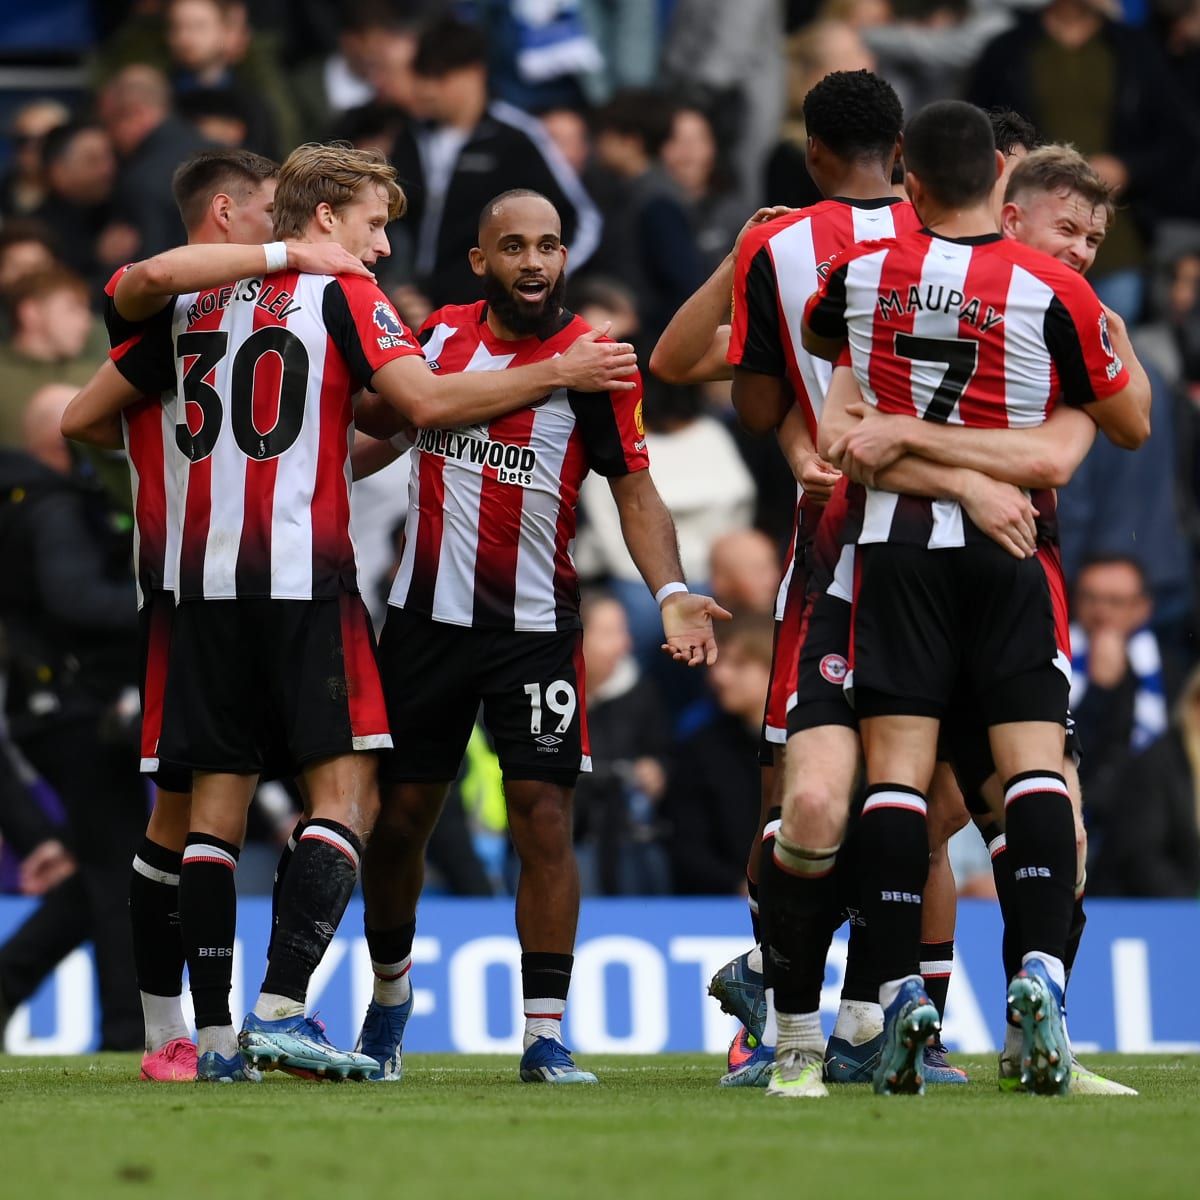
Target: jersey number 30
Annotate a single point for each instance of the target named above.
(206, 349)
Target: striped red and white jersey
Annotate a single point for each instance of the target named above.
(156, 465)
(265, 370)
(491, 508)
(980, 331)
(779, 265)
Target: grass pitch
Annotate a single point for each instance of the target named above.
(655, 1127)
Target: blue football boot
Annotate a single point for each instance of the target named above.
(848, 1063)
(381, 1036)
(740, 992)
(549, 1061)
(748, 1063)
(298, 1045)
(212, 1068)
(1035, 1001)
(909, 1023)
(937, 1068)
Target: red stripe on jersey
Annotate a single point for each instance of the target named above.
(566, 581)
(198, 505)
(253, 571)
(332, 548)
(858, 561)
(987, 275)
(889, 376)
(144, 445)
(431, 498)
(496, 549)
(364, 691)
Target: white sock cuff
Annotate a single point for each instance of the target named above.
(1035, 783)
(798, 860)
(896, 797)
(544, 1008)
(331, 837)
(153, 873)
(997, 845)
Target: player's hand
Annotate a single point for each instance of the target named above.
(872, 446)
(1003, 512)
(688, 627)
(818, 478)
(323, 258)
(45, 867)
(590, 365)
(760, 218)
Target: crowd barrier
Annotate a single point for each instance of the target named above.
(641, 972)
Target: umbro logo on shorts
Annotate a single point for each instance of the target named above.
(548, 743)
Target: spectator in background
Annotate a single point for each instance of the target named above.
(80, 172)
(219, 116)
(1127, 505)
(713, 784)
(618, 829)
(812, 54)
(26, 248)
(744, 572)
(651, 245)
(727, 56)
(706, 487)
(28, 831)
(1117, 694)
(693, 160)
(372, 63)
(135, 108)
(1152, 842)
(210, 50)
(23, 185)
(1105, 88)
(466, 151)
(54, 338)
(67, 602)
(601, 302)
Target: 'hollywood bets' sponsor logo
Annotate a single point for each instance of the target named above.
(512, 464)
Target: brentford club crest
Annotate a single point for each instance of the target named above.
(834, 669)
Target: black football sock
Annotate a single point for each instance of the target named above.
(154, 915)
(997, 846)
(1040, 828)
(862, 979)
(1074, 934)
(319, 882)
(545, 982)
(281, 870)
(754, 888)
(802, 892)
(937, 963)
(391, 961)
(208, 922)
(895, 865)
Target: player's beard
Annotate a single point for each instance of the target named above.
(520, 317)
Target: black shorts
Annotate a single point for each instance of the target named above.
(265, 686)
(824, 645)
(155, 620)
(924, 620)
(530, 685)
(963, 743)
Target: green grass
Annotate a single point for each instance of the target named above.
(464, 1127)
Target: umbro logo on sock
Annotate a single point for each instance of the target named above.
(325, 928)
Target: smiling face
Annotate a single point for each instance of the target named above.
(521, 260)
(1062, 224)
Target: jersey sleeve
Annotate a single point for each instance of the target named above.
(1076, 334)
(365, 327)
(825, 309)
(147, 359)
(614, 435)
(755, 338)
(118, 328)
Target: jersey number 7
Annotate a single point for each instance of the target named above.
(960, 357)
(205, 349)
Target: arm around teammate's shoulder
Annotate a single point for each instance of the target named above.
(1124, 418)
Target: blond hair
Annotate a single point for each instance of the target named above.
(332, 174)
(1055, 169)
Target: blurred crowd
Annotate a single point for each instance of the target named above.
(657, 127)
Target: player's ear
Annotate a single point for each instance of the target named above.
(478, 261)
(325, 216)
(1010, 219)
(999, 164)
(222, 211)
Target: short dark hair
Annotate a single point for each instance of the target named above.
(1012, 131)
(26, 229)
(950, 148)
(855, 113)
(199, 178)
(449, 45)
(58, 141)
(485, 213)
(1114, 560)
(214, 102)
(361, 16)
(638, 112)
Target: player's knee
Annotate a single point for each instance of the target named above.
(540, 820)
(814, 813)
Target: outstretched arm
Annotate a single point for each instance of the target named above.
(94, 415)
(146, 286)
(431, 401)
(649, 534)
(693, 346)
